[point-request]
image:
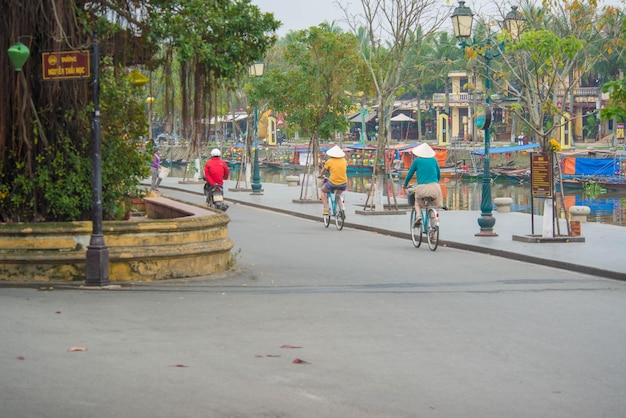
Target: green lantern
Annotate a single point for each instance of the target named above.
(18, 54)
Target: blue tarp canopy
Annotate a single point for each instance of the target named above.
(504, 150)
(597, 166)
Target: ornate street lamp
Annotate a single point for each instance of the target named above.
(514, 22)
(97, 261)
(256, 70)
(462, 19)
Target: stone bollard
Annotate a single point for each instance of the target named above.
(575, 228)
(503, 204)
(292, 180)
(579, 213)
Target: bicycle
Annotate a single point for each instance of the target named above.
(428, 224)
(336, 206)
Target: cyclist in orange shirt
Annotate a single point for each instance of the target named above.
(337, 166)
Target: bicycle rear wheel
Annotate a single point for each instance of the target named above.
(432, 230)
(416, 232)
(340, 214)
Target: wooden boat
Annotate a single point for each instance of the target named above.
(604, 168)
(177, 162)
(520, 175)
(504, 172)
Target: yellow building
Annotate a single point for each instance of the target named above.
(454, 112)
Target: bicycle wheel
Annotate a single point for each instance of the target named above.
(340, 214)
(416, 232)
(339, 219)
(327, 215)
(432, 230)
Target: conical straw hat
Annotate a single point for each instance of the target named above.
(336, 152)
(424, 151)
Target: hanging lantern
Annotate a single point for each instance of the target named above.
(18, 54)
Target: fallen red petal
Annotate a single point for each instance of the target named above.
(20, 358)
(300, 361)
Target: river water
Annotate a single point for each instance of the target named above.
(608, 208)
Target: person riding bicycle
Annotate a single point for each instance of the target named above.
(428, 174)
(154, 171)
(337, 165)
(216, 170)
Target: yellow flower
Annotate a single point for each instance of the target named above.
(554, 146)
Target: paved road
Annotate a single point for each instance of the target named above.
(599, 254)
(384, 329)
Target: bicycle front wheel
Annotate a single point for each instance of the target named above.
(340, 217)
(331, 208)
(326, 218)
(416, 231)
(432, 230)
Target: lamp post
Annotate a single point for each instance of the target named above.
(363, 127)
(97, 272)
(462, 19)
(150, 101)
(256, 70)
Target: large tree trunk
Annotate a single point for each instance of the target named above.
(184, 105)
(380, 171)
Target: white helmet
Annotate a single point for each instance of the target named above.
(216, 153)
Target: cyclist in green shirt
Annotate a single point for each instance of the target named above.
(428, 174)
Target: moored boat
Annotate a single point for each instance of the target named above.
(604, 168)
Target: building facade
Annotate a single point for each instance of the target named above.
(465, 90)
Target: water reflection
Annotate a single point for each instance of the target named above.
(609, 208)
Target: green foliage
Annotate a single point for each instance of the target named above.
(227, 36)
(547, 52)
(593, 190)
(125, 159)
(60, 190)
(617, 101)
(591, 127)
(320, 65)
(65, 182)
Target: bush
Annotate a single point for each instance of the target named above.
(61, 188)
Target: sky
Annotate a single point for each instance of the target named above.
(302, 14)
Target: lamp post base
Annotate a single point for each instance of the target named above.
(97, 261)
(256, 178)
(486, 223)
